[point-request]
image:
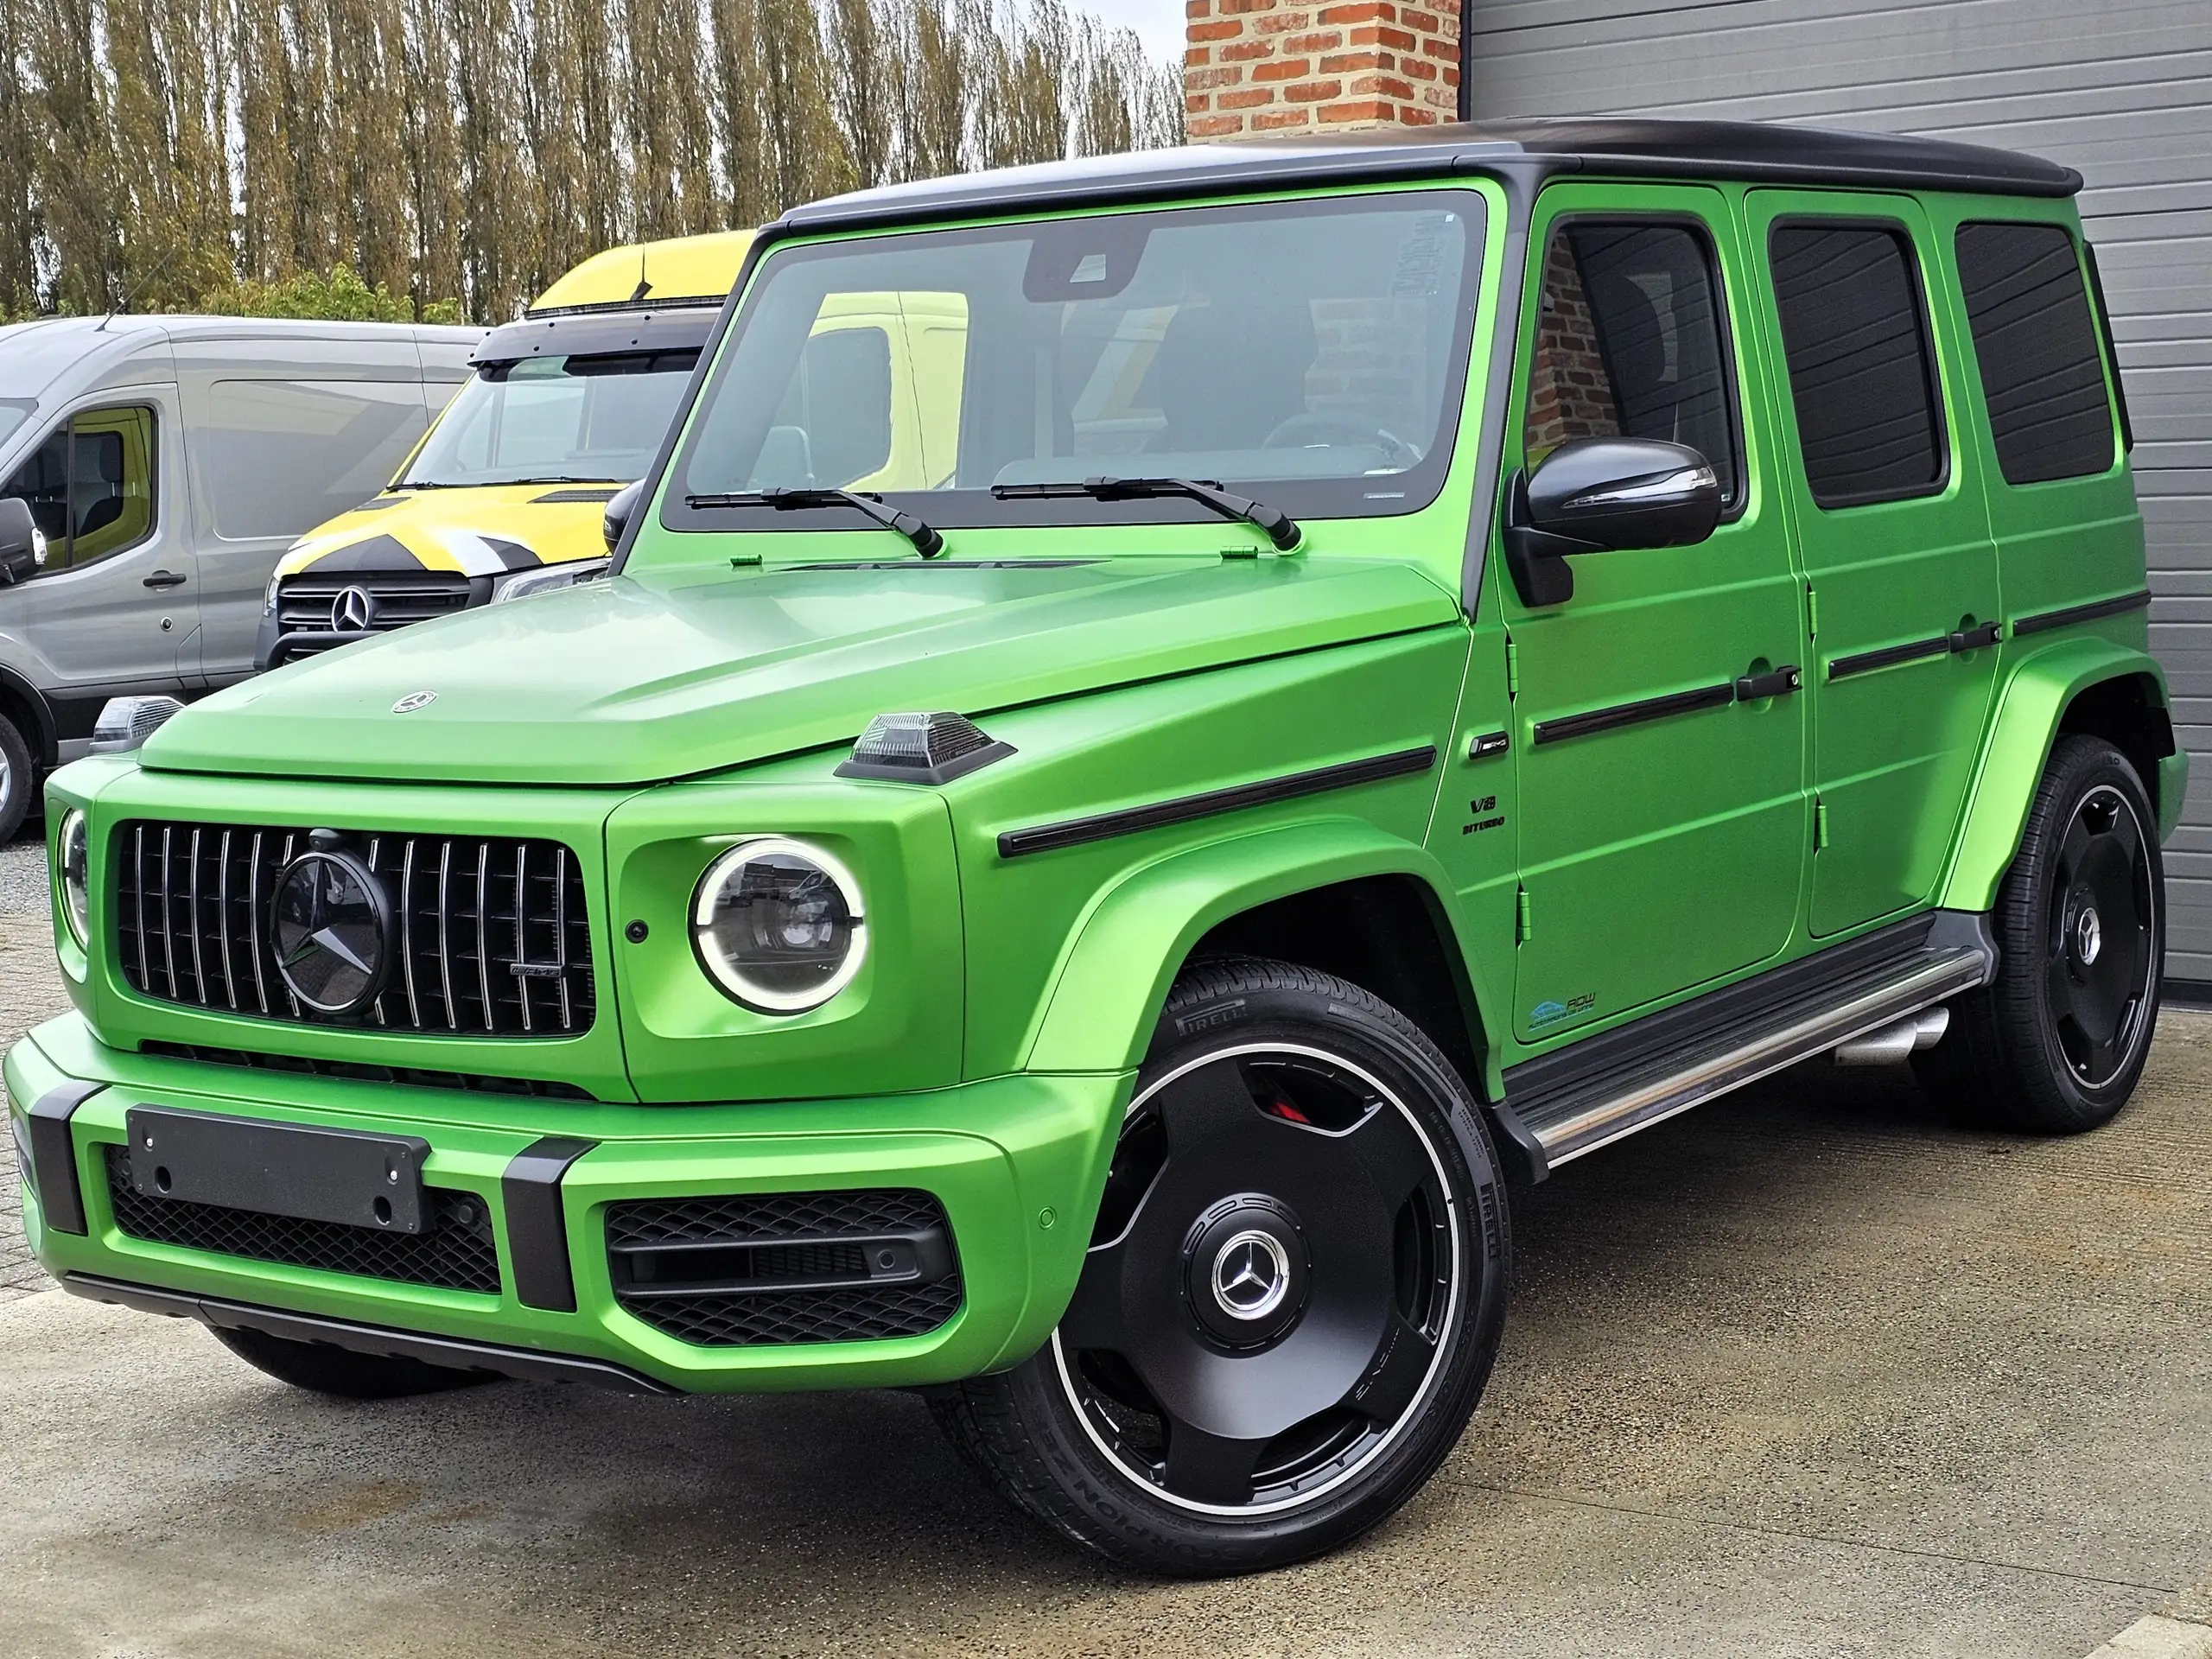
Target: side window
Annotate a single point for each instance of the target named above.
(277, 457)
(1629, 344)
(1861, 373)
(2036, 345)
(90, 486)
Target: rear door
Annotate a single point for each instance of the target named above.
(1885, 502)
(1663, 821)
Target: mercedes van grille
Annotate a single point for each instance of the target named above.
(490, 937)
(310, 603)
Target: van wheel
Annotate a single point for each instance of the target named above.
(322, 1369)
(1293, 1296)
(17, 783)
(2056, 1043)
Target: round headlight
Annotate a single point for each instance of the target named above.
(777, 926)
(74, 843)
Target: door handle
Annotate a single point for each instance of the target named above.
(166, 579)
(1754, 687)
(1976, 638)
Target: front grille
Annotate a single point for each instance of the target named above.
(491, 935)
(770, 1255)
(409, 1077)
(456, 1252)
(307, 603)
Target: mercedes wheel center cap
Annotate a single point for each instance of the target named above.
(330, 927)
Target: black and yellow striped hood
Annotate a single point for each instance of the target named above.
(480, 532)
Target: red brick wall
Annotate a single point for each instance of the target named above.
(1256, 66)
(1570, 395)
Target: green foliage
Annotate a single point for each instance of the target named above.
(413, 158)
(340, 296)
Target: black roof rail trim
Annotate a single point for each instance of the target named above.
(1755, 151)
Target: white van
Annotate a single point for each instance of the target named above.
(166, 462)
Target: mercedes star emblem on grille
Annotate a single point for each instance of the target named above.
(330, 927)
(414, 700)
(354, 611)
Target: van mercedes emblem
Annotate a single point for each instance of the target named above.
(354, 611)
(330, 927)
(414, 700)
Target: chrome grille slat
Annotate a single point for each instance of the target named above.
(162, 866)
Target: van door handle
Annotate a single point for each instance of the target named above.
(166, 579)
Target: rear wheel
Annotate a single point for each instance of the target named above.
(1293, 1296)
(322, 1369)
(17, 781)
(2056, 1043)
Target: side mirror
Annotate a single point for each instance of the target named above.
(619, 506)
(1596, 495)
(18, 542)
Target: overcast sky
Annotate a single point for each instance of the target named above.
(1159, 23)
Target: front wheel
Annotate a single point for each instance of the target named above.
(1293, 1296)
(18, 784)
(2055, 1044)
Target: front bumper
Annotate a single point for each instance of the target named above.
(1016, 1162)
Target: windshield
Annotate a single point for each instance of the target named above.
(1310, 353)
(586, 420)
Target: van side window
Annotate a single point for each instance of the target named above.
(90, 486)
(2037, 344)
(1861, 373)
(1629, 344)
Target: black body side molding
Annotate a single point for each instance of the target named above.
(2095, 611)
(1074, 832)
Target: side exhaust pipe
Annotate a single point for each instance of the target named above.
(1894, 1043)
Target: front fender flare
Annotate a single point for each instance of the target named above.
(1120, 962)
(2032, 700)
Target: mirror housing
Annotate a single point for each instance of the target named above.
(620, 508)
(1599, 495)
(18, 542)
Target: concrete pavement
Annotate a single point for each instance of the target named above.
(1805, 1372)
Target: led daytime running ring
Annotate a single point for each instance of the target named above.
(726, 978)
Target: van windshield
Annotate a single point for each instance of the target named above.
(1312, 352)
(584, 420)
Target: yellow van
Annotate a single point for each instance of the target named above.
(506, 491)
(505, 496)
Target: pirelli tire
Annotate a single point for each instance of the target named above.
(1293, 1299)
(2056, 1044)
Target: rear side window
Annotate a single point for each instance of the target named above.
(2037, 343)
(1629, 344)
(1861, 375)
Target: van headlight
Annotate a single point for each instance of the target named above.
(74, 845)
(778, 925)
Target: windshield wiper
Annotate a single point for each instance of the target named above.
(1278, 525)
(927, 542)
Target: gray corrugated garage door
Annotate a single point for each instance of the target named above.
(2120, 89)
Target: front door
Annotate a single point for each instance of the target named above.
(1662, 815)
(1887, 509)
(115, 603)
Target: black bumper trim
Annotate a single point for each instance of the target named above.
(53, 1154)
(537, 1237)
(454, 1353)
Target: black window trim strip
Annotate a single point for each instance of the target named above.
(2095, 611)
(1865, 662)
(1619, 714)
(1183, 808)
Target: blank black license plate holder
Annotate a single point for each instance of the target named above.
(310, 1173)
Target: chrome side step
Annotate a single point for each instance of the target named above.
(1873, 985)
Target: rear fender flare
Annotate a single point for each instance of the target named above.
(2033, 705)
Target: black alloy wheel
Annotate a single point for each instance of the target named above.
(2056, 1042)
(1292, 1297)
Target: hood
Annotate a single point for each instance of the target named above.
(671, 674)
(481, 531)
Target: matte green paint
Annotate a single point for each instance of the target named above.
(986, 1049)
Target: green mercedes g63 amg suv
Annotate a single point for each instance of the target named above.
(1432, 653)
